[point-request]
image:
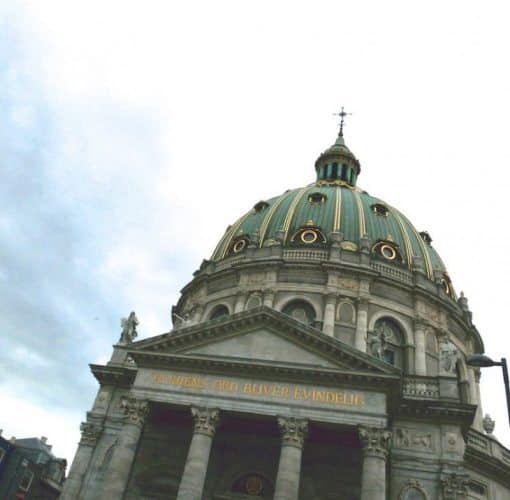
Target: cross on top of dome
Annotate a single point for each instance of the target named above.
(342, 116)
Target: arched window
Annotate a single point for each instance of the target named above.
(386, 341)
(346, 313)
(412, 493)
(219, 312)
(300, 310)
(255, 300)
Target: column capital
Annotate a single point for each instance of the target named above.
(135, 410)
(90, 433)
(420, 324)
(293, 430)
(205, 420)
(375, 441)
(331, 297)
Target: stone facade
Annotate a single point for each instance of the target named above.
(292, 373)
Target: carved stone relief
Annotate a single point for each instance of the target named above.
(450, 441)
(412, 439)
(454, 487)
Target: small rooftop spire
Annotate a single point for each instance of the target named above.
(342, 116)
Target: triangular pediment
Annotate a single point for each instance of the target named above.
(262, 336)
(261, 344)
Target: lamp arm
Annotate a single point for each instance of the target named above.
(507, 385)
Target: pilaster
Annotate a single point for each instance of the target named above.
(135, 412)
(90, 433)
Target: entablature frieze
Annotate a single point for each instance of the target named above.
(446, 411)
(269, 370)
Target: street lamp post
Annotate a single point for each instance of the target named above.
(483, 361)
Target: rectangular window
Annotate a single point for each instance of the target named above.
(2, 455)
(26, 480)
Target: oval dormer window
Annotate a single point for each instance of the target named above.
(380, 209)
(317, 198)
(388, 250)
(238, 245)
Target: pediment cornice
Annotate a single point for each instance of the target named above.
(343, 355)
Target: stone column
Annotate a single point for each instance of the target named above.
(420, 359)
(360, 338)
(89, 435)
(268, 298)
(376, 443)
(117, 475)
(195, 470)
(328, 324)
(240, 302)
(293, 432)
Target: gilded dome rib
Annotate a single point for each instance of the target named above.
(407, 241)
(426, 255)
(361, 214)
(291, 211)
(232, 232)
(338, 209)
(267, 219)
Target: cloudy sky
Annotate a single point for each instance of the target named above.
(133, 133)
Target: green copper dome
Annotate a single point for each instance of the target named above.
(333, 210)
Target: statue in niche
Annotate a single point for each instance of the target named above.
(128, 326)
(448, 355)
(382, 333)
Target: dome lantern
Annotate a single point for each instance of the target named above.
(337, 164)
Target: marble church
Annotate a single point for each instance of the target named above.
(319, 354)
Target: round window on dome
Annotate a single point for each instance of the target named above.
(388, 250)
(446, 283)
(308, 236)
(238, 245)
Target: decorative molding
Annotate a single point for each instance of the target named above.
(90, 433)
(375, 441)
(135, 410)
(205, 420)
(409, 486)
(119, 376)
(293, 430)
(454, 486)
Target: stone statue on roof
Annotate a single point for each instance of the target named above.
(128, 326)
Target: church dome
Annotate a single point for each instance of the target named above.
(334, 212)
